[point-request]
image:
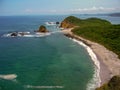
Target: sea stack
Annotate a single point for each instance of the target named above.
(42, 29)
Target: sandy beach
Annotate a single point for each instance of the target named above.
(109, 61)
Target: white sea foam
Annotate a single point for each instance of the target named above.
(28, 35)
(56, 32)
(8, 76)
(95, 81)
(42, 87)
(7, 35)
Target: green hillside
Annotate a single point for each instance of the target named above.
(98, 30)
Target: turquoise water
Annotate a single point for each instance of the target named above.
(52, 60)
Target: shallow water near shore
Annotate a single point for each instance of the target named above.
(50, 62)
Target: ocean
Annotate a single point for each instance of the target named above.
(48, 62)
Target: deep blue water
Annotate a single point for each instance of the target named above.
(52, 60)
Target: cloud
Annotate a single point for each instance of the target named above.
(78, 10)
(94, 9)
(39, 11)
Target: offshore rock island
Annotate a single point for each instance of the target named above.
(103, 38)
(42, 29)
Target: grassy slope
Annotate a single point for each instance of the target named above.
(98, 30)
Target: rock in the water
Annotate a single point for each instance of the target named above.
(42, 29)
(57, 23)
(14, 34)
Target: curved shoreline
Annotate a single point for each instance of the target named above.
(95, 81)
(109, 61)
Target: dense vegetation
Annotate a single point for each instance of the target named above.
(87, 22)
(113, 84)
(98, 30)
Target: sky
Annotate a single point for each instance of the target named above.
(45, 7)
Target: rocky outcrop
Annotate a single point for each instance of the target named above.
(70, 22)
(14, 34)
(42, 29)
(113, 84)
(17, 34)
(66, 24)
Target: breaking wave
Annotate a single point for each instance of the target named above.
(8, 76)
(42, 87)
(28, 34)
(95, 81)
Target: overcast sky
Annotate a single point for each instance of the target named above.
(40, 7)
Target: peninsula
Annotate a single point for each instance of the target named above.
(103, 38)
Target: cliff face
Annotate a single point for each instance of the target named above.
(66, 24)
(69, 22)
